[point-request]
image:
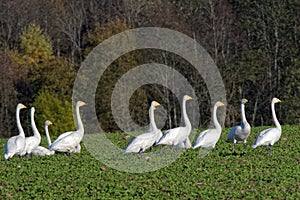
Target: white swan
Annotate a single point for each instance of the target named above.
(42, 151)
(146, 140)
(69, 142)
(16, 144)
(209, 138)
(242, 132)
(271, 135)
(179, 136)
(32, 142)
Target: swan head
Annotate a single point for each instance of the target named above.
(21, 106)
(187, 97)
(48, 122)
(244, 101)
(154, 104)
(219, 103)
(276, 100)
(32, 109)
(80, 103)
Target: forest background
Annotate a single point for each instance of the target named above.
(255, 45)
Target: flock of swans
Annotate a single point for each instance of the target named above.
(69, 142)
(179, 137)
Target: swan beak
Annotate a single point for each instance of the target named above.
(50, 123)
(155, 103)
(81, 103)
(221, 104)
(188, 97)
(245, 100)
(279, 100)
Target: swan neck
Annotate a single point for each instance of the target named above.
(215, 119)
(185, 116)
(153, 126)
(48, 136)
(33, 125)
(20, 128)
(243, 113)
(277, 124)
(78, 119)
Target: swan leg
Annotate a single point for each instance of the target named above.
(271, 149)
(140, 153)
(69, 154)
(173, 149)
(245, 144)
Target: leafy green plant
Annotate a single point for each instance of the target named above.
(246, 174)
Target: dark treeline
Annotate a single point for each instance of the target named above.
(255, 45)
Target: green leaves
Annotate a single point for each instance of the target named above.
(248, 174)
(49, 107)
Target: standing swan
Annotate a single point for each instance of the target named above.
(146, 140)
(209, 138)
(179, 136)
(271, 135)
(242, 132)
(68, 142)
(42, 151)
(16, 144)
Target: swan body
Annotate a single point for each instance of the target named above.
(77, 148)
(179, 136)
(146, 140)
(42, 151)
(241, 132)
(271, 135)
(68, 142)
(16, 144)
(32, 142)
(210, 137)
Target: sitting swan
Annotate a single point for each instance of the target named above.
(271, 135)
(42, 151)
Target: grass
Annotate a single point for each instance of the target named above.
(248, 174)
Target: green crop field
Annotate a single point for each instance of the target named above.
(246, 174)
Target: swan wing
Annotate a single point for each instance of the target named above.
(31, 143)
(64, 135)
(233, 131)
(142, 141)
(66, 144)
(11, 145)
(169, 136)
(200, 139)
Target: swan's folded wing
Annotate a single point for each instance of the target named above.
(11, 145)
(65, 144)
(200, 139)
(169, 136)
(64, 135)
